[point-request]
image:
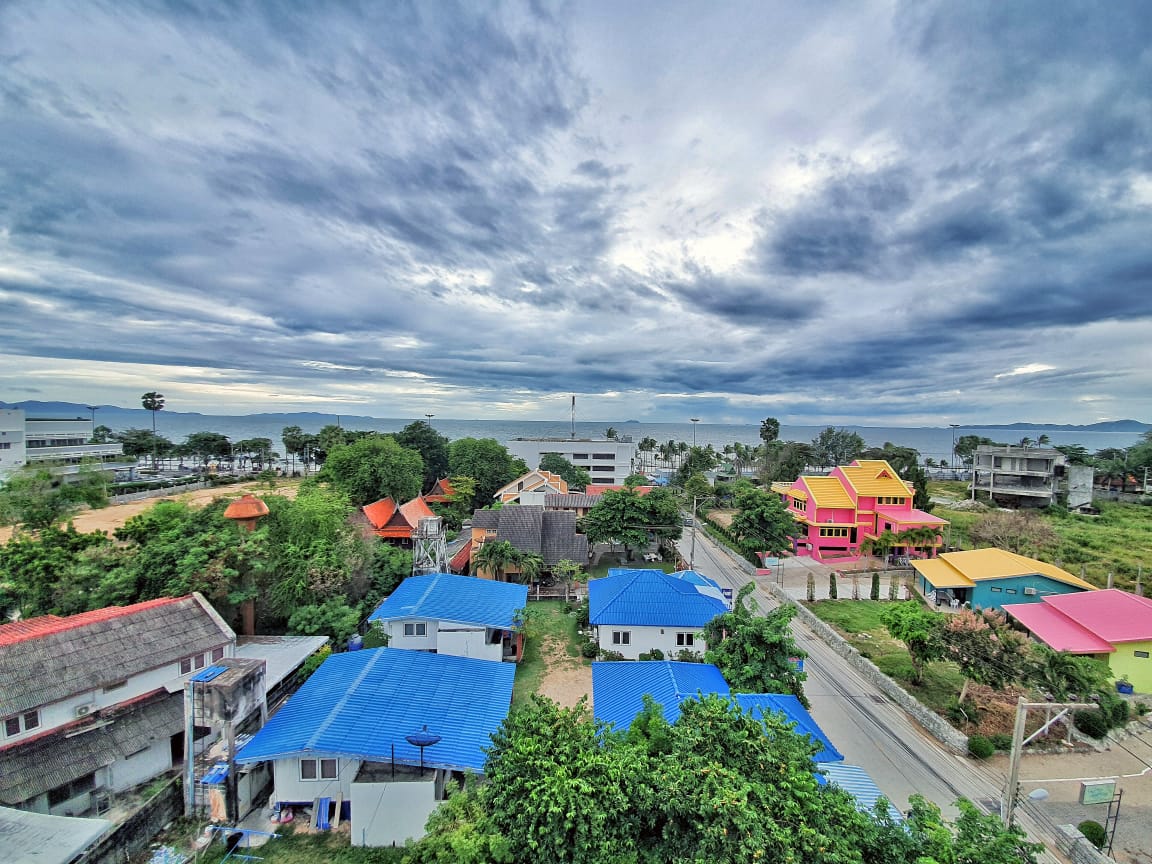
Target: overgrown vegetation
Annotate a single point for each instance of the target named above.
(551, 623)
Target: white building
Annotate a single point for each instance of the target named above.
(606, 461)
(92, 704)
(61, 442)
(12, 449)
(634, 612)
(458, 615)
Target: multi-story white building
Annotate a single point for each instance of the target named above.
(61, 443)
(12, 449)
(1020, 476)
(606, 460)
(92, 704)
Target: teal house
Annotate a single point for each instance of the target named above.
(992, 578)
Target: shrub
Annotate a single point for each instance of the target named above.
(980, 747)
(961, 713)
(1095, 833)
(654, 654)
(874, 594)
(611, 655)
(582, 614)
(832, 585)
(589, 649)
(1093, 723)
(811, 587)
(687, 655)
(1141, 709)
(1001, 741)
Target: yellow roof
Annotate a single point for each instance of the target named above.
(828, 492)
(941, 574)
(875, 477)
(978, 564)
(782, 488)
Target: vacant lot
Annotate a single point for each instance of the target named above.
(552, 665)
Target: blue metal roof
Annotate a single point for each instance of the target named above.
(653, 598)
(619, 687)
(788, 705)
(444, 597)
(856, 782)
(359, 704)
(209, 673)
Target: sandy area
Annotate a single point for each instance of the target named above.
(566, 678)
(116, 515)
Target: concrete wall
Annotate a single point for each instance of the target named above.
(137, 831)
(397, 639)
(290, 789)
(12, 456)
(644, 639)
(1138, 669)
(387, 814)
(464, 640)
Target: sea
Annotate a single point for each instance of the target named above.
(931, 442)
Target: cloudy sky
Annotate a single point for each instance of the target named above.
(869, 212)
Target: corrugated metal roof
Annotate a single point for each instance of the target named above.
(651, 598)
(281, 654)
(360, 704)
(757, 703)
(1111, 614)
(913, 516)
(619, 687)
(856, 782)
(446, 597)
(1057, 630)
(941, 574)
(992, 563)
(37, 838)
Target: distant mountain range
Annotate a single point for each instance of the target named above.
(1105, 426)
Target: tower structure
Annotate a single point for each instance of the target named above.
(429, 549)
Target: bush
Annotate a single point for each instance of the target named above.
(611, 655)
(959, 714)
(1095, 833)
(1116, 710)
(832, 585)
(1001, 741)
(654, 654)
(687, 655)
(980, 747)
(582, 614)
(874, 594)
(1093, 723)
(1141, 709)
(589, 649)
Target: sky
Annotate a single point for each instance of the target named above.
(861, 212)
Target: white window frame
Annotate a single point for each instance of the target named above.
(685, 640)
(621, 637)
(417, 628)
(22, 722)
(315, 770)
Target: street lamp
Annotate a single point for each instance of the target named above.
(429, 416)
(694, 420)
(952, 457)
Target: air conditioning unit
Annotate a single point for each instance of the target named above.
(1030, 591)
(83, 710)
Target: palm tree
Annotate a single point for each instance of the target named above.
(1043, 441)
(495, 556)
(1026, 442)
(646, 445)
(153, 401)
(610, 433)
(531, 566)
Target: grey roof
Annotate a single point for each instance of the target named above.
(66, 656)
(521, 526)
(570, 500)
(283, 654)
(37, 838)
(560, 539)
(54, 759)
(486, 518)
(530, 528)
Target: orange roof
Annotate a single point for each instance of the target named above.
(442, 491)
(379, 512)
(43, 625)
(385, 516)
(461, 558)
(874, 477)
(415, 510)
(601, 488)
(247, 506)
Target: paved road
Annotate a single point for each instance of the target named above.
(868, 728)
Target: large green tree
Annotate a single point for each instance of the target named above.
(785, 460)
(206, 446)
(576, 478)
(432, 447)
(919, 628)
(495, 557)
(755, 652)
(762, 523)
(633, 520)
(35, 498)
(487, 462)
(836, 447)
(372, 468)
(141, 442)
(769, 430)
(153, 401)
(986, 648)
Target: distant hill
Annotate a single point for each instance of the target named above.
(1106, 426)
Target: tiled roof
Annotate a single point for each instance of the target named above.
(941, 574)
(55, 759)
(415, 510)
(619, 687)
(388, 520)
(442, 491)
(651, 598)
(870, 477)
(570, 501)
(379, 512)
(45, 663)
(550, 534)
(975, 565)
(444, 597)
(1057, 630)
(601, 488)
(521, 526)
(757, 703)
(462, 558)
(361, 704)
(533, 481)
(827, 492)
(560, 540)
(1111, 614)
(486, 518)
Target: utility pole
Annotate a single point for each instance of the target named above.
(1008, 810)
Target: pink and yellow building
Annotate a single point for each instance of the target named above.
(856, 503)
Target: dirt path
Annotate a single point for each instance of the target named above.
(116, 515)
(566, 678)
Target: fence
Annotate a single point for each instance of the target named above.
(137, 831)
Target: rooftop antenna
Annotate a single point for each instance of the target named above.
(573, 416)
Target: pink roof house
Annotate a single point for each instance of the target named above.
(1113, 625)
(855, 503)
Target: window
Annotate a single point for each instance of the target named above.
(996, 590)
(318, 769)
(217, 653)
(579, 455)
(185, 665)
(25, 722)
(798, 503)
(603, 456)
(198, 661)
(621, 637)
(1143, 655)
(5, 445)
(1009, 590)
(602, 468)
(887, 499)
(417, 628)
(685, 640)
(833, 532)
(68, 791)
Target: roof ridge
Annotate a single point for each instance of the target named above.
(322, 727)
(62, 624)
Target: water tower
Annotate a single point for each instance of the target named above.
(247, 511)
(429, 549)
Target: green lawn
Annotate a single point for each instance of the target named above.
(851, 618)
(612, 562)
(330, 848)
(549, 620)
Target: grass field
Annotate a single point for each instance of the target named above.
(328, 848)
(550, 629)
(612, 562)
(851, 618)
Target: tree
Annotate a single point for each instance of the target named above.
(432, 447)
(966, 447)
(1063, 675)
(633, 520)
(1017, 531)
(259, 450)
(101, 435)
(569, 572)
(755, 652)
(769, 430)
(611, 434)
(974, 837)
(919, 629)
(334, 619)
(139, 442)
(985, 647)
(786, 460)
(293, 439)
(372, 468)
(836, 447)
(576, 478)
(531, 567)
(647, 445)
(487, 462)
(458, 507)
(51, 573)
(207, 445)
(762, 523)
(153, 401)
(1076, 454)
(389, 566)
(496, 556)
(696, 460)
(34, 498)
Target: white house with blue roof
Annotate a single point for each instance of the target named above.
(345, 736)
(458, 615)
(636, 611)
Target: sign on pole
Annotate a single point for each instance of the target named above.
(1097, 791)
